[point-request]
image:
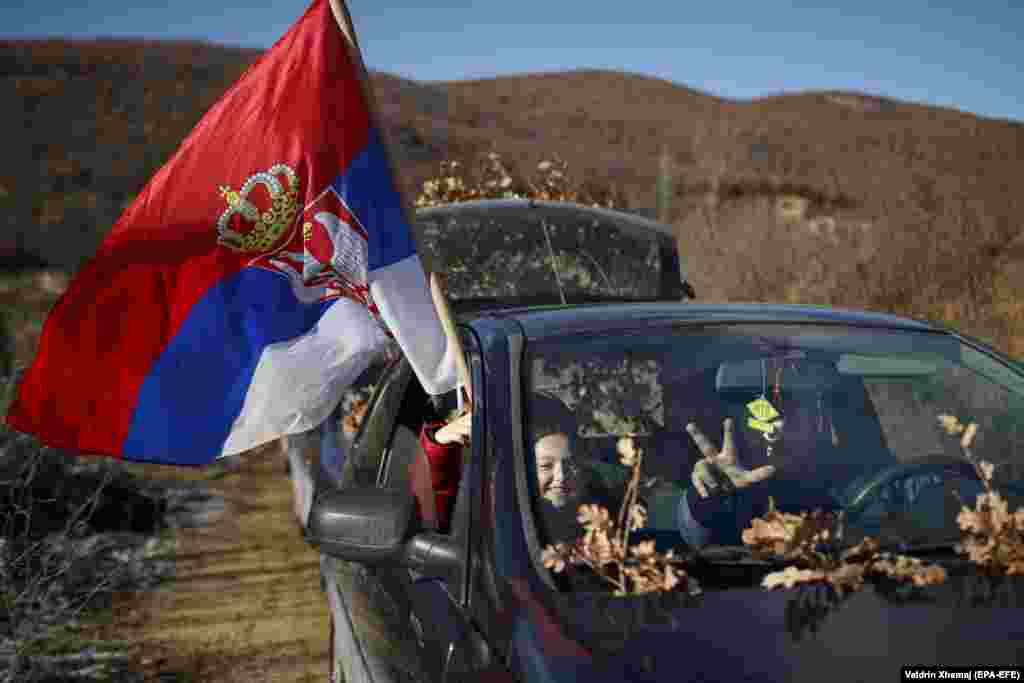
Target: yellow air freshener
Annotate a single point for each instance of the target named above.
(763, 411)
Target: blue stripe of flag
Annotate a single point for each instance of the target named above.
(369, 192)
(197, 387)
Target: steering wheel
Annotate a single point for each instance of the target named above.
(865, 492)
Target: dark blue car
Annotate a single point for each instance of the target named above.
(860, 394)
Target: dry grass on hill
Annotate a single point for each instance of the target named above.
(940, 189)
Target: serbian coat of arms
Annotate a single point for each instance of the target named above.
(322, 250)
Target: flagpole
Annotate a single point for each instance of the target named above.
(344, 21)
(437, 292)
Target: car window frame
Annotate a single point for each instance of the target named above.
(518, 348)
(332, 431)
(396, 376)
(473, 468)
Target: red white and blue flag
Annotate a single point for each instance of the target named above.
(252, 280)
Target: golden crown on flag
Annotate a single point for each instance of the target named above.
(267, 226)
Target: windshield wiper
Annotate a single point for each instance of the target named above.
(738, 554)
(907, 548)
(733, 554)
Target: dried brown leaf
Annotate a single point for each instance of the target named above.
(593, 517)
(967, 439)
(792, 576)
(951, 424)
(848, 577)
(627, 450)
(554, 558)
(637, 517)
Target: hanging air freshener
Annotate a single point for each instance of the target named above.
(763, 415)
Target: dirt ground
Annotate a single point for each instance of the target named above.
(245, 603)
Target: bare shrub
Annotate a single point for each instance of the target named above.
(491, 177)
(940, 253)
(55, 562)
(763, 249)
(38, 553)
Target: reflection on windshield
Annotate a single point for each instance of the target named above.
(832, 418)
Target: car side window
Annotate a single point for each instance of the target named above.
(363, 466)
(908, 410)
(408, 469)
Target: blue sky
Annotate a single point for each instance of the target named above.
(966, 54)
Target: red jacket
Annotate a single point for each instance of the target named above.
(445, 468)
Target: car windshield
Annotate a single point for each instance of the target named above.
(566, 254)
(850, 419)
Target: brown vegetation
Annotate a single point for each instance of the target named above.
(813, 544)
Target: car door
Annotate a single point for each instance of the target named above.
(374, 636)
(426, 604)
(405, 626)
(436, 605)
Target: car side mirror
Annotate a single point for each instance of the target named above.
(376, 526)
(368, 525)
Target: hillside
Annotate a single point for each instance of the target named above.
(93, 120)
(97, 118)
(870, 150)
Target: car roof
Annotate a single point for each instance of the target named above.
(547, 321)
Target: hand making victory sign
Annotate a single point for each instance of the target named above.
(720, 469)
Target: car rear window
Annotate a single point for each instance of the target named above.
(522, 254)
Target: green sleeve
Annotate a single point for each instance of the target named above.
(661, 500)
(610, 475)
(662, 503)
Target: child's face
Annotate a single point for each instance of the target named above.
(557, 473)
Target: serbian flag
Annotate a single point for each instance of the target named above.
(253, 279)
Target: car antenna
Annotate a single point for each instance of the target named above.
(554, 265)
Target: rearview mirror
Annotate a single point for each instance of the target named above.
(752, 375)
